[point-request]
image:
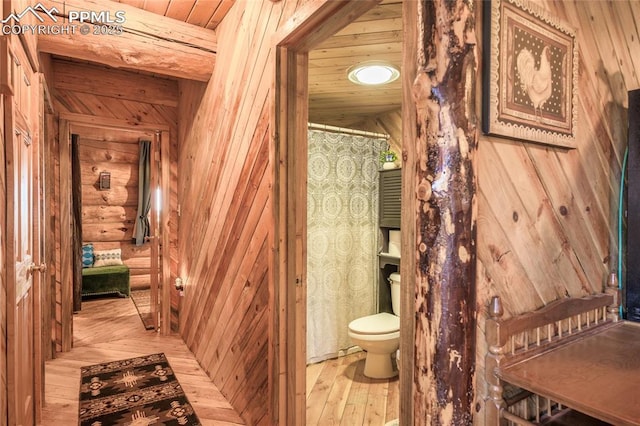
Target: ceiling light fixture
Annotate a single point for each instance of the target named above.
(373, 73)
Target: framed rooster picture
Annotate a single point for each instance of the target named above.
(530, 71)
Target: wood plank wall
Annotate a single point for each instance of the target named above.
(574, 248)
(132, 98)
(225, 213)
(3, 227)
(108, 216)
(544, 226)
(389, 123)
(3, 277)
(547, 217)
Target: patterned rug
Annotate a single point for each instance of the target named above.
(142, 300)
(134, 392)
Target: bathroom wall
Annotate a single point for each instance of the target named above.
(390, 124)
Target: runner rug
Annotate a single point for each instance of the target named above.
(136, 391)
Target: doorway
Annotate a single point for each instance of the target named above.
(110, 208)
(291, 105)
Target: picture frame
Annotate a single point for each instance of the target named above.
(530, 74)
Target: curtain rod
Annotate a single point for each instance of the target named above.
(336, 129)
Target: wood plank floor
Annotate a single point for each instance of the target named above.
(338, 393)
(109, 329)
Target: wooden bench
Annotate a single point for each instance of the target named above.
(106, 280)
(513, 342)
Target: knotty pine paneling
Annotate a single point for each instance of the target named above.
(3, 273)
(205, 14)
(225, 217)
(544, 215)
(547, 217)
(334, 100)
(389, 123)
(109, 83)
(3, 227)
(135, 99)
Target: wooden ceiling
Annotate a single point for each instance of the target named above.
(203, 13)
(378, 35)
(333, 99)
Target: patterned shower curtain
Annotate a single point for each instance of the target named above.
(342, 234)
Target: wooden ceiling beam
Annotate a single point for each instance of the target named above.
(148, 42)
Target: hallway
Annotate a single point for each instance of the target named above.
(109, 329)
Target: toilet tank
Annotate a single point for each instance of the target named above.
(394, 281)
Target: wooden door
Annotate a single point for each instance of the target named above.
(23, 242)
(21, 301)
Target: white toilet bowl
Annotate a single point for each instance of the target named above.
(379, 336)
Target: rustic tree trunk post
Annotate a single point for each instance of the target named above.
(445, 292)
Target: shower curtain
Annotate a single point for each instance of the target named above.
(342, 238)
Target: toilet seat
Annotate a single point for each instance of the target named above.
(374, 325)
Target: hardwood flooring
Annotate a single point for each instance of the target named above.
(109, 329)
(338, 393)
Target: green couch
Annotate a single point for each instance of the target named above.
(106, 280)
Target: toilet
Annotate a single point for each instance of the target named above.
(379, 335)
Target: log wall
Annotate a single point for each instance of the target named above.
(547, 217)
(108, 216)
(131, 100)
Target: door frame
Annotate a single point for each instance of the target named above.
(312, 24)
(161, 143)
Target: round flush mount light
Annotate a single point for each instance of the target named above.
(373, 73)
